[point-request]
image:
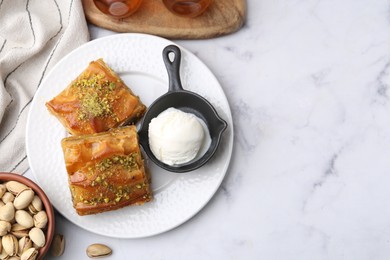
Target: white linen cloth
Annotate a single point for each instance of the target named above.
(34, 36)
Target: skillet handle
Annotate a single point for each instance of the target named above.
(173, 67)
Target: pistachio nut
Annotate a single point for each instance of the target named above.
(15, 187)
(37, 236)
(8, 197)
(19, 231)
(98, 250)
(13, 258)
(3, 189)
(36, 205)
(58, 245)
(3, 254)
(5, 227)
(23, 218)
(24, 244)
(10, 244)
(7, 212)
(29, 254)
(24, 198)
(40, 219)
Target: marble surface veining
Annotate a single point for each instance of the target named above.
(308, 82)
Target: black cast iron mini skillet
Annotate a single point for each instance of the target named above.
(186, 101)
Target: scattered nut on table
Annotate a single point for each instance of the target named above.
(58, 245)
(98, 250)
(22, 222)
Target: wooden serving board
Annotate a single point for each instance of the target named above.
(222, 17)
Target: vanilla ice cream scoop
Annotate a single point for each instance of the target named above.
(176, 137)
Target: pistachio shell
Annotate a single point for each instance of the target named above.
(37, 236)
(29, 254)
(24, 198)
(14, 258)
(36, 205)
(3, 254)
(10, 244)
(19, 231)
(7, 212)
(58, 245)
(23, 218)
(5, 227)
(15, 187)
(40, 219)
(8, 197)
(24, 244)
(98, 250)
(3, 189)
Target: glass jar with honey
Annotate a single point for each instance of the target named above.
(187, 8)
(118, 8)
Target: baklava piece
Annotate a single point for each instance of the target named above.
(96, 101)
(106, 170)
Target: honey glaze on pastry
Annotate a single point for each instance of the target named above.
(106, 171)
(96, 101)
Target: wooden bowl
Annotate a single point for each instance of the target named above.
(49, 230)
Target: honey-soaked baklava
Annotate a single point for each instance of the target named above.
(96, 101)
(106, 170)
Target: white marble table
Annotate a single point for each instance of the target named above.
(309, 85)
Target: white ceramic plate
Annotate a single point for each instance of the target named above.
(137, 58)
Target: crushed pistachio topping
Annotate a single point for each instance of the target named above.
(96, 96)
(105, 169)
(115, 196)
(129, 162)
(95, 105)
